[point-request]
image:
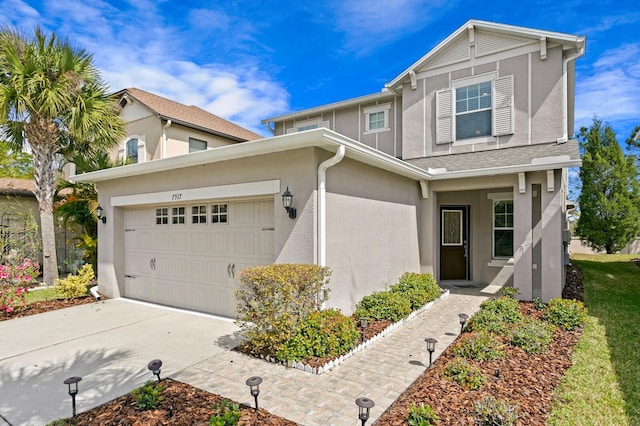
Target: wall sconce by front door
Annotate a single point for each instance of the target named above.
(100, 214)
(287, 202)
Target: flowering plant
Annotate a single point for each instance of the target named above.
(13, 279)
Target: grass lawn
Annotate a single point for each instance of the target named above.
(603, 385)
(43, 294)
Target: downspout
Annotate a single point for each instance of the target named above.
(164, 139)
(322, 212)
(565, 95)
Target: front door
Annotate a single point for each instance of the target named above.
(454, 242)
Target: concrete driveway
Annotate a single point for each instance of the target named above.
(107, 343)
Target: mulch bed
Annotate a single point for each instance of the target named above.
(182, 405)
(45, 306)
(573, 288)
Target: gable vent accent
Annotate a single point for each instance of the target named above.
(503, 106)
(457, 52)
(302, 127)
(444, 116)
(487, 43)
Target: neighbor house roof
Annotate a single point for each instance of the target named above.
(15, 186)
(494, 161)
(189, 116)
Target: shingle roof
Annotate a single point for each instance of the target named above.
(502, 157)
(14, 186)
(190, 116)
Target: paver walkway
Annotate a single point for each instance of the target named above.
(380, 372)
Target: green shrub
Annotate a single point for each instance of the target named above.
(495, 412)
(539, 304)
(76, 285)
(423, 415)
(273, 299)
(532, 336)
(148, 396)
(466, 375)
(496, 315)
(479, 346)
(326, 333)
(383, 305)
(226, 413)
(565, 313)
(419, 289)
(510, 292)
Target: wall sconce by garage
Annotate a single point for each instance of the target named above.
(287, 202)
(100, 214)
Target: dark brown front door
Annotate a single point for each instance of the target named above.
(454, 242)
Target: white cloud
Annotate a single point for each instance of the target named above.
(373, 23)
(164, 60)
(612, 90)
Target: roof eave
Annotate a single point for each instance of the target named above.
(200, 128)
(504, 170)
(322, 138)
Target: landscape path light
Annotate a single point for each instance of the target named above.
(254, 386)
(431, 346)
(364, 323)
(364, 405)
(72, 382)
(463, 320)
(154, 367)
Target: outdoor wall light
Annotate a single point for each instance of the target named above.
(72, 382)
(364, 322)
(463, 321)
(254, 386)
(100, 214)
(364, 405)
(431, 346)
(287, 202)
(154, 367)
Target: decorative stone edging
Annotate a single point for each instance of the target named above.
(335, 362)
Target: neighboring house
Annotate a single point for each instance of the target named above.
(457, 167)
(158, 128)
(20, 225)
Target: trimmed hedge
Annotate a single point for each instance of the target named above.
(419, 289)
(496, 315)
(326, 333)
(565, 313)
(384, 305)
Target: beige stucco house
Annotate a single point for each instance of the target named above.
(458, 167)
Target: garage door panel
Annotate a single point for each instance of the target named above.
(192, 267)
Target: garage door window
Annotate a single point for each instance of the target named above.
(219, 213)
(198, 214)
(177, 215)
(162, 216)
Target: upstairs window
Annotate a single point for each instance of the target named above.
(196, 145)
(376, 118)
(475, 109)
(132, 150)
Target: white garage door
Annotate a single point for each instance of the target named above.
(189, 255)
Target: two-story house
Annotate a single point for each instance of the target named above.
(457, 167)
(157, 127)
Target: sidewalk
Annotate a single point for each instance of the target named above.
(381, 372)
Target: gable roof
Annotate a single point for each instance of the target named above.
(569, 40)
(189, 116)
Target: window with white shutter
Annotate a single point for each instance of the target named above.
(478, 107)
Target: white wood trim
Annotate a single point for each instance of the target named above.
(267, 187)
(500, 196)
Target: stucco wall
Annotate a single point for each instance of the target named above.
(537, 94)
(372, 231)
(148, 130)
(178, 140)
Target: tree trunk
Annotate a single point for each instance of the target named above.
(42, 137)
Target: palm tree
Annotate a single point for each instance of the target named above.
(52, 99)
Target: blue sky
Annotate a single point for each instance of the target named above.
(250, 60)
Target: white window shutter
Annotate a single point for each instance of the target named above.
(444, 116)
(503, 106)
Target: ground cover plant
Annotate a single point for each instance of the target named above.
(603, 385)
(172, 403)
(489, 376)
